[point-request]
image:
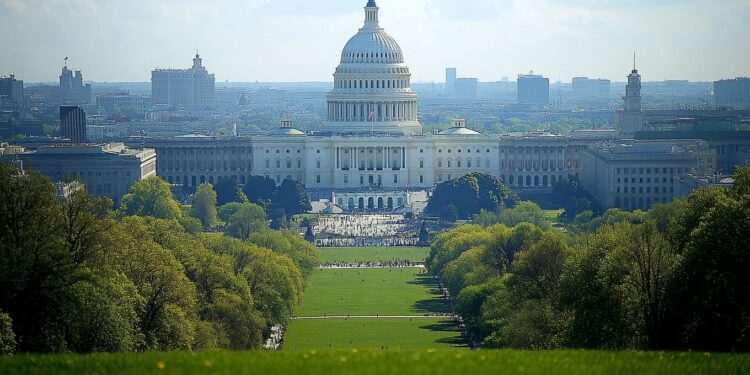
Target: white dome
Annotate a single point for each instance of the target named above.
(372, 85)
(372, 46)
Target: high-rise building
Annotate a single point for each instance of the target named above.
(533, 89)
(193, 87)
(72, 89)
(11, 91)
(73, 123)
(630, 118)
(584, 87)
(732, 93)
(450, 81)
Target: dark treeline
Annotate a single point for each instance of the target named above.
(673, 278)
(77, 276)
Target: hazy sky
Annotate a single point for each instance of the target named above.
(301, 40)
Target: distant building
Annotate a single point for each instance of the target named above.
(533, 90)
(72, 89)
(732, 93)
(73, 123)
(466, 88)
(11, 91)
(106, 170)
(193, 87)
(630, 119)
(450, 81)
(584, 87)
(637, 175)
(120, 104)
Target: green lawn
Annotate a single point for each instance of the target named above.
(365, 254)
(371, 334)
(351, 362)
(370, 292)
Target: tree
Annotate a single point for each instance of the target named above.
(469, 194)
(226, 211)
(7, 337)
(150, 197)
(292, 198)
(260, 190)
(204, 206)
(228, 191)
(250, 218)
(524, 212)
(711, 288)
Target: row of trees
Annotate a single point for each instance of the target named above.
(77, 276)
(280, 202)
(674, 277)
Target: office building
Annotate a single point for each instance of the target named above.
(11, 92)
(184, 88)
(733, 93)
(120, 104)
(533, 90)
(105, 170)
(73, 123)
(638, 174)
(587, 88)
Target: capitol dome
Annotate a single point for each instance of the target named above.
(372, 85)
(372, 45)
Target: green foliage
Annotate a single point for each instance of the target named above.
(248, 219)
(524, 212)
(710, 292)
(226, 211)
(150, 197)
(468, 195)
(76, 277)
(292, 198)
(227, 191)
(7, 337)
(260, 190)
(204, 206)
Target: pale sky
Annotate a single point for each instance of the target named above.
(301, 40)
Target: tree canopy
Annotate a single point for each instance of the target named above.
(470, 194)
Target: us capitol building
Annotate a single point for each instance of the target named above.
(372, 153)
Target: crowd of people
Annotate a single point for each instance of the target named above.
(367, 242)
(396, 263)
(379, 225)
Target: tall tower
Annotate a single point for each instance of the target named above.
(630, 119)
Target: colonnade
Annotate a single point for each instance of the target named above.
(371, 158)
(375, 112)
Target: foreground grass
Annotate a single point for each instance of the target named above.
(372, 254)
(370, 292)
(383, 334)
(382, 362)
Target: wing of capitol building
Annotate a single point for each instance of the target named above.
(373, 155)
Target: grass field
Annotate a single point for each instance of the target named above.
(388, 334)
(366, 254)
(370, 292)
(440, 362)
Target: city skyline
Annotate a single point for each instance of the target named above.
(490, 39)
